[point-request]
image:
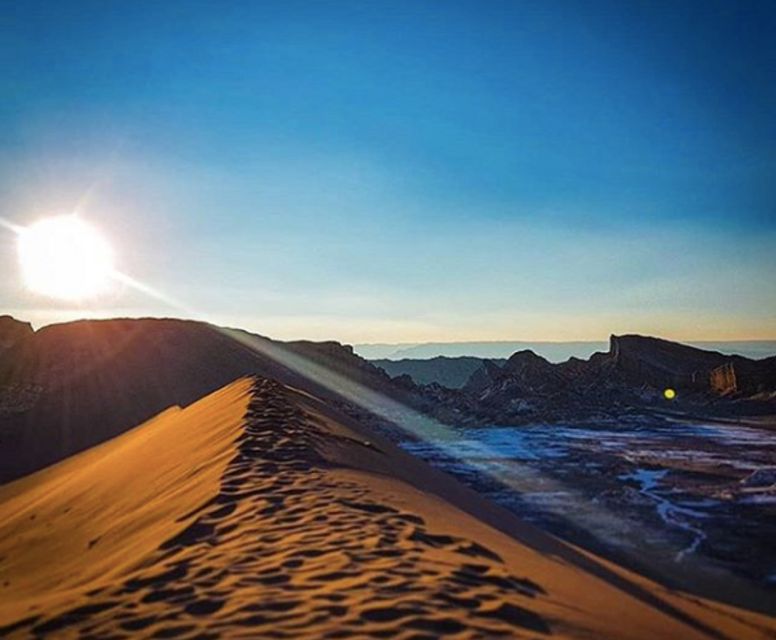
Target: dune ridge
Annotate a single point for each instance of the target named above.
(259, 511)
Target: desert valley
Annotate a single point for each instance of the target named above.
(391, 319)
(174, 479)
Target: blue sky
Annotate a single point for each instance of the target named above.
(397, 171)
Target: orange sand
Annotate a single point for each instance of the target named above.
(261, 512)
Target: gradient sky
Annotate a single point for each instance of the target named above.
(395, 171)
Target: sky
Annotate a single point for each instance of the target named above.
(403, 171)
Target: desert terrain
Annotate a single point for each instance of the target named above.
(259, 511)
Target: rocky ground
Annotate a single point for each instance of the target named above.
(691, 504)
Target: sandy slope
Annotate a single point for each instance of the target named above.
(261, 512)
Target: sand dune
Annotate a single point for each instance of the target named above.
(259, 511)
(73, 385)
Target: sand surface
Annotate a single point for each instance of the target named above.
(261, 512)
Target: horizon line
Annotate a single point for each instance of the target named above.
(356, 343)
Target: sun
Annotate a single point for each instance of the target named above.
(65, 257)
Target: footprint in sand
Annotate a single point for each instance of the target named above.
(287, 547)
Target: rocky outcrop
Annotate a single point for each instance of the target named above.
(722, 380)
(661, 363)
(13, 331)
(404, 381)
(338, 357)
(633, 374)
(15, 396)
(483, 377)
(534, 373)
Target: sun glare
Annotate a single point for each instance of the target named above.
(65, 257)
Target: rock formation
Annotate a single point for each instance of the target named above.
(632, 374)
(12, 331)
(722, 379)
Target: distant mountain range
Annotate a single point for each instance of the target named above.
(452, 373)
(552, 351)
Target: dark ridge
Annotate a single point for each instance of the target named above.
(452, 373)
(70, 386)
